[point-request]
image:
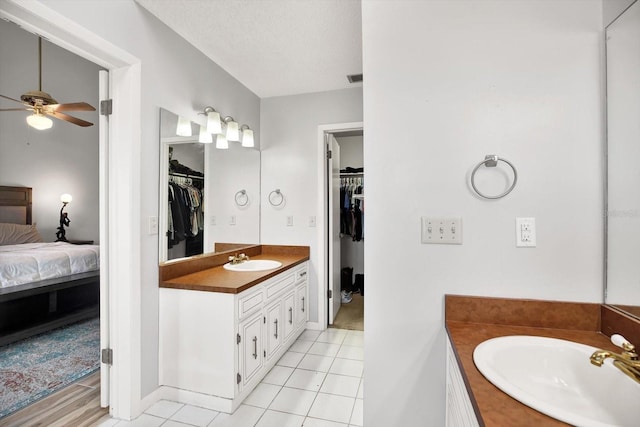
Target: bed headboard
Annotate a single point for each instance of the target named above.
(15, 205)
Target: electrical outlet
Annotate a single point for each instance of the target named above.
(525, 232)
(443, 231)
(153, 225)
(212, 220)
(232, 220)
(312, 221)
(289, 221)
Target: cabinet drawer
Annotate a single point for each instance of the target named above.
(275, 288)
(301, 274)
(249, 303)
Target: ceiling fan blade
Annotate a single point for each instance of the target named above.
(11, 99)
(68, 118)
(15, 109)
(73, 106)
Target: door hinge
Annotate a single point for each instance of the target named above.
(330, 293)
(329, 154)
(264, 353)
(238, 378)
(107, 356)
(264, 320)
(106, 107)
(238, 339)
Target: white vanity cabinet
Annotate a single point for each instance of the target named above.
(460, 412)
(216, 347)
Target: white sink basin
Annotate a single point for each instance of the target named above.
(556, 378)
(253, 265)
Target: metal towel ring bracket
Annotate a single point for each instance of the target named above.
(240, 196)
(278, 193)
(491, 161)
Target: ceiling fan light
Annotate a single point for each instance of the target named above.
(184, 127)
(204, 136)
(40, 122)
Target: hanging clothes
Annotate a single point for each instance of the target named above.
(185, 210)
(351, 207)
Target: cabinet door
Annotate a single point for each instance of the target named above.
(289, 319)
(302, 304)
(251, 348)
(274, 328)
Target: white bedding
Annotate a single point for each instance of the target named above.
(32, 262)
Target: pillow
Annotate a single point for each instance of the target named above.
(16, 234)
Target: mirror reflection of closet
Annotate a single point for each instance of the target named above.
(186, 200)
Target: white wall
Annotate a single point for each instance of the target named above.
(63, 159)
(179, 78)
(290, 162)
(611, 9)
(446, 83)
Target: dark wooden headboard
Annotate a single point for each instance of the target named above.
(15, 205)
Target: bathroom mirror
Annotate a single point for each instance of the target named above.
(208, 196)
(622, 287)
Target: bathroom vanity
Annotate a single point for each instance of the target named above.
(471, 399)
(222, 331)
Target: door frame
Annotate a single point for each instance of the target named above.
(120, 214)
(323, 218)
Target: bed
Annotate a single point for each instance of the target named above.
(42, 285)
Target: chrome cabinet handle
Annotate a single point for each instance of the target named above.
(291, 315)
(303, 273)
(303, 304)
(276, 334)
(255, 347)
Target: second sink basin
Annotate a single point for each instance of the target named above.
(253, 265)
(555, 377)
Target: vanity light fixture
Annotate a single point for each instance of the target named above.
(221, 142)
(233, 134)
(39, 121)
(214, 126)
(205, 137)
(184, 127)
(247, 136)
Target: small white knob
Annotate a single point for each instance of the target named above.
(619, 340)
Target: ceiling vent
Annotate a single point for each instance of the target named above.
(355, 78)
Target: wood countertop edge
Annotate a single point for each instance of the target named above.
(177, 284)
(493, 407)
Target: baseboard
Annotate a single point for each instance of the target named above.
(315, 326)
(150, 399)
(207, 401)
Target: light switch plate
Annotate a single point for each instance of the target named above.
(232, 220)
(441, 231)
(312, 221)
(289, 221)
(525, 232)
(153, 225)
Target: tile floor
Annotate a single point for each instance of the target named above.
(317, 383)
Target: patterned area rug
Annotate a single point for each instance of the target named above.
(36, 367)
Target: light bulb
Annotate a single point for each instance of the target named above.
(40, 122)
(205, 137)
(214, 126)
(66, 198)
(221, 142)
(184, 127)
(247, 137)
(232, 129)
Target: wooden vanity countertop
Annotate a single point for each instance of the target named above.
(472, 320)
(217, 279)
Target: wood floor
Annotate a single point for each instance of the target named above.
(77, 405)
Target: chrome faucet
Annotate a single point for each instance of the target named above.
(627, 361)
(237, 259)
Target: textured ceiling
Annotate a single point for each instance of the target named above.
(274, 47)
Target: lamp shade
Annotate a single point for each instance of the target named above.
(221, 142)
(184, 127)
(233, 133)
(247, 138)
(214, 126)
(66, 198)
(40, 122)
(204, 136)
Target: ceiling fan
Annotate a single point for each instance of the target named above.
(42, 104)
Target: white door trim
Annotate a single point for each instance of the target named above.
(122, 164)
(323, 219)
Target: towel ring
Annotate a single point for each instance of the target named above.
(491, 161)
(278, 193)
(242, 195)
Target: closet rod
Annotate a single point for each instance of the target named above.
(351, 174)
(184, 175)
